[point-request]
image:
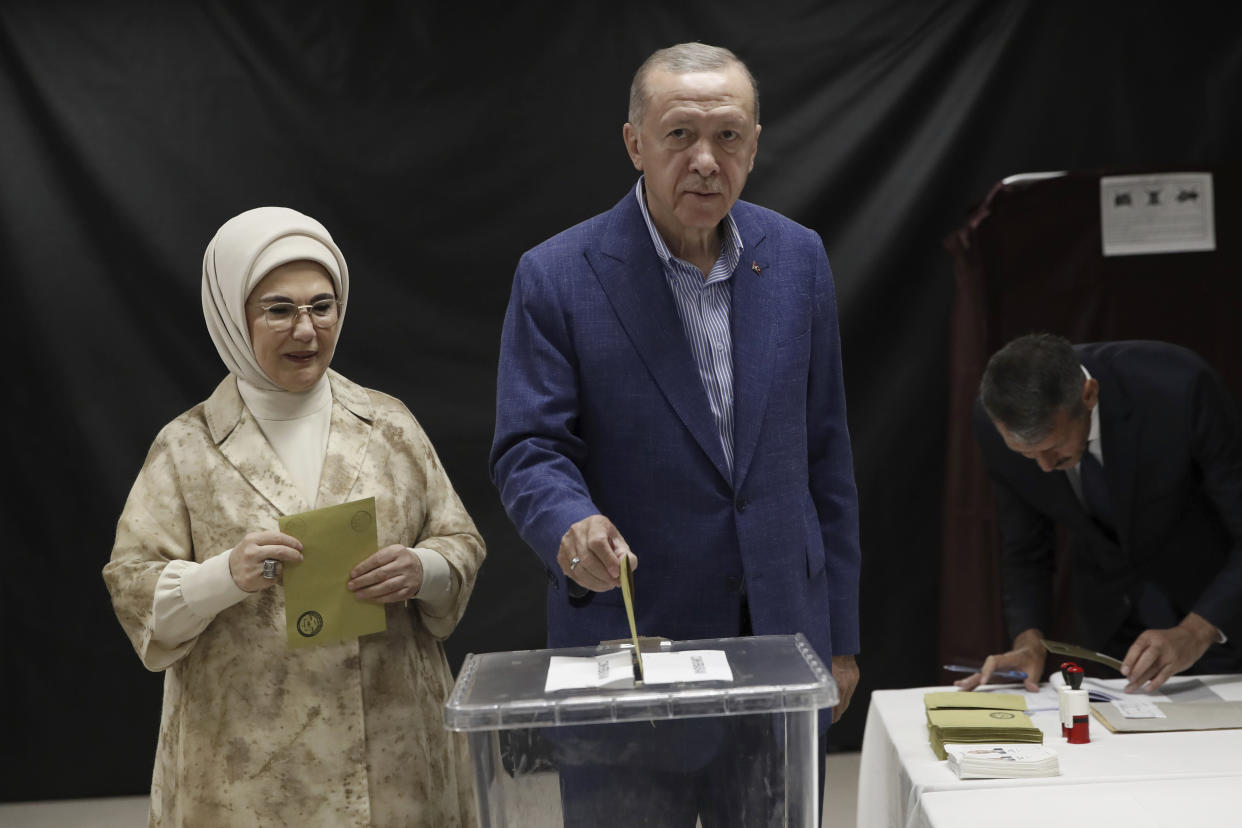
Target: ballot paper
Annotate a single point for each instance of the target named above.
(1001, 761)
(616, 669)
(1138, 709)
(685, 666)
(319, 608)
(607, 670)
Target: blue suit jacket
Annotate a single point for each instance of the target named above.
(600, 409)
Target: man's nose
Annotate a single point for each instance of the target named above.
(1047, 460)
(703, 161)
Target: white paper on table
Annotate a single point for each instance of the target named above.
(607, 670)
(1040, 701)
(1178, 689)
(686, 665)
(1138, 709)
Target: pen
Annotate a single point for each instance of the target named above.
(1017, 675)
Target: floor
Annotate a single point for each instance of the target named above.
(840, 799)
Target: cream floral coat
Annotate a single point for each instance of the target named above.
(256, 734)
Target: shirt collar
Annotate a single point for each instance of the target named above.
(734, 253)
(1093, 436)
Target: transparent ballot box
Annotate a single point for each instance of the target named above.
(734, 750)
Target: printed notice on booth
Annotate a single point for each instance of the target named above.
(1164, 213)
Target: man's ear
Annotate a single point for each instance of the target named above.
(629, 134)
(1090, 393)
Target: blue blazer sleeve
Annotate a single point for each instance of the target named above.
(830, 461)
(535, 451)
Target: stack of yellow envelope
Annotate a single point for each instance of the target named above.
(978, 718)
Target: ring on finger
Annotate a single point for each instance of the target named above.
(573, 562)
(269, 569)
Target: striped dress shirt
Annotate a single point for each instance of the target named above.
(705, 305)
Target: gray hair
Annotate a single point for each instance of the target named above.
(1028, 380)
(683, 59)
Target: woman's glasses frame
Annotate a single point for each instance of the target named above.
(283, 316)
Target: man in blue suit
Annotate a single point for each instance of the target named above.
(670, 389)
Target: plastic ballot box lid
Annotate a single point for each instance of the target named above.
(770, 674)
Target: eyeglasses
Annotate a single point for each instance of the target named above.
(282, 316)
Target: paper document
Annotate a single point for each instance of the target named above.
(1181, 703)
(319, 608)
(1181, 689)
(1138, 709)
(1192, 716)
(1001, 761)
(1166, 213)
(1074, 651)
(607, 670)
(687, 665)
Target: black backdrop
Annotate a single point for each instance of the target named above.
(437, 141)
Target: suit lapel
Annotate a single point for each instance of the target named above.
(243, 444)
(630, 274)
(755, 284)
(350, 434)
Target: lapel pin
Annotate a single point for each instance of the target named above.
(755, 267)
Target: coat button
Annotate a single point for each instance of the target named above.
(733, 584)
(741, 504)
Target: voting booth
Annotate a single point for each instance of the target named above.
(612, 753)
(1091, 255)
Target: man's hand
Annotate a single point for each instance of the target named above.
(591, 553)
(845, 672)
(1158, 654)
(1027, 655)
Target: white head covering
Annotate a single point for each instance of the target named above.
(243, 251)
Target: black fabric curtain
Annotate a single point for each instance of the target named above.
(437, 141)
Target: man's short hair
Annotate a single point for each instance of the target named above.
(1028, 380)
(683, 59)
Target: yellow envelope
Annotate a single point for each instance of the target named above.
(983, 701)
(627, 594)
(319, 608)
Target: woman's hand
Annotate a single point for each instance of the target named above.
(392, 574)
(246, 559)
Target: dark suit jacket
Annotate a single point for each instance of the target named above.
(1172, 445)
(600, 409)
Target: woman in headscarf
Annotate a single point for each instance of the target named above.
(253, 732)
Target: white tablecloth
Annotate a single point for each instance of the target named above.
(1196, 802)
(898, 771)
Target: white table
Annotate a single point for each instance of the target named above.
(900, 780)
(1194, 802)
